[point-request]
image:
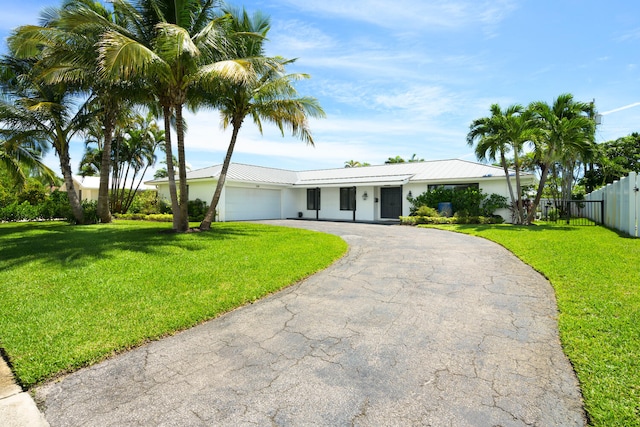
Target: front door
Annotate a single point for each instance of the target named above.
(390, 202)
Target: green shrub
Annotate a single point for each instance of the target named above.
(89, 211)
(492, 203)
(467, 202)
(145, 202)
(56, 206)
(9, 212)
(19, 212)
(415, 220)
(197, 210)
(144, 217)
(164, 206)
(426, 211)
(33, 192)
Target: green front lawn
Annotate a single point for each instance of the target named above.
(596, 275)
(71, 296)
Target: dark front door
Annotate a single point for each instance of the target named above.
(390, 202)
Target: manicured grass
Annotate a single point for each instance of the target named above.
(71, 296)
(596, 276)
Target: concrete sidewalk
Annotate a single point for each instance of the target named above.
(17, 408)
(412, 327)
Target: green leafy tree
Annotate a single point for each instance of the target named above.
(612, 161)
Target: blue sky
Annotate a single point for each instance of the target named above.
(409, 76)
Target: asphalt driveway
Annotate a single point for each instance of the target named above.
(412, 327)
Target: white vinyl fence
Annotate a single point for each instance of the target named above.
(621, 204)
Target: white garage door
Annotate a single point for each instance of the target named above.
(252, 203)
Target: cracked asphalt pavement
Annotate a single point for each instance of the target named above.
(411, 327)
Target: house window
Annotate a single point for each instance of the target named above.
(457, 187)
(348, 199)
(313, 199)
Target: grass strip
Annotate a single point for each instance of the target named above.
(71, 296)
(596, 276)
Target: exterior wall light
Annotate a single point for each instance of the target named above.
(410, 195)
(365, 196)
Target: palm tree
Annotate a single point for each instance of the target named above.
(396, 159)
(505, 131)
(90, 163)
(69, 36)
(567, 135)
(178, 45)
(38, 111)
(414, 159)
(268, 96)
(132, 155)
(352, 164)
(20, 155)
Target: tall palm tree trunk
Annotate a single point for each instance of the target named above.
(208, 218)
(74, 200)
(534, 206)
(182, 171)
(505, 167)
(105, 171)
(516, 162)
(173, 193)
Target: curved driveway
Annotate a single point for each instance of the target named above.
(412, 327)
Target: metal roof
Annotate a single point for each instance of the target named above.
(397, 173)
(242, 173)
(93, 182)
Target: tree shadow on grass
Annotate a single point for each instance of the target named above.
(63, 244)
(508, 227)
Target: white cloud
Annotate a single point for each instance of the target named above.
(297, 36)
(411, 14)
(630, 35)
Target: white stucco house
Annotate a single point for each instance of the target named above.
(87, 187)
(370, 193)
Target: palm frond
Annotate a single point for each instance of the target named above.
(122, 58)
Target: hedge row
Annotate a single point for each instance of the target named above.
(414, 220)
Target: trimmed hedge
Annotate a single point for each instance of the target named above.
(415, 220)
(145, 217)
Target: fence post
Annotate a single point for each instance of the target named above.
(633, 203)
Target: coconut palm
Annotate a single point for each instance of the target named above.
(38, 111)
(267, 95)
(567, 134)
(68, 38)
(352, 164)
(20, 156)
(270, 98)
(178, 45)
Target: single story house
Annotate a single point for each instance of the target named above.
(369, 193)
(87, 187)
